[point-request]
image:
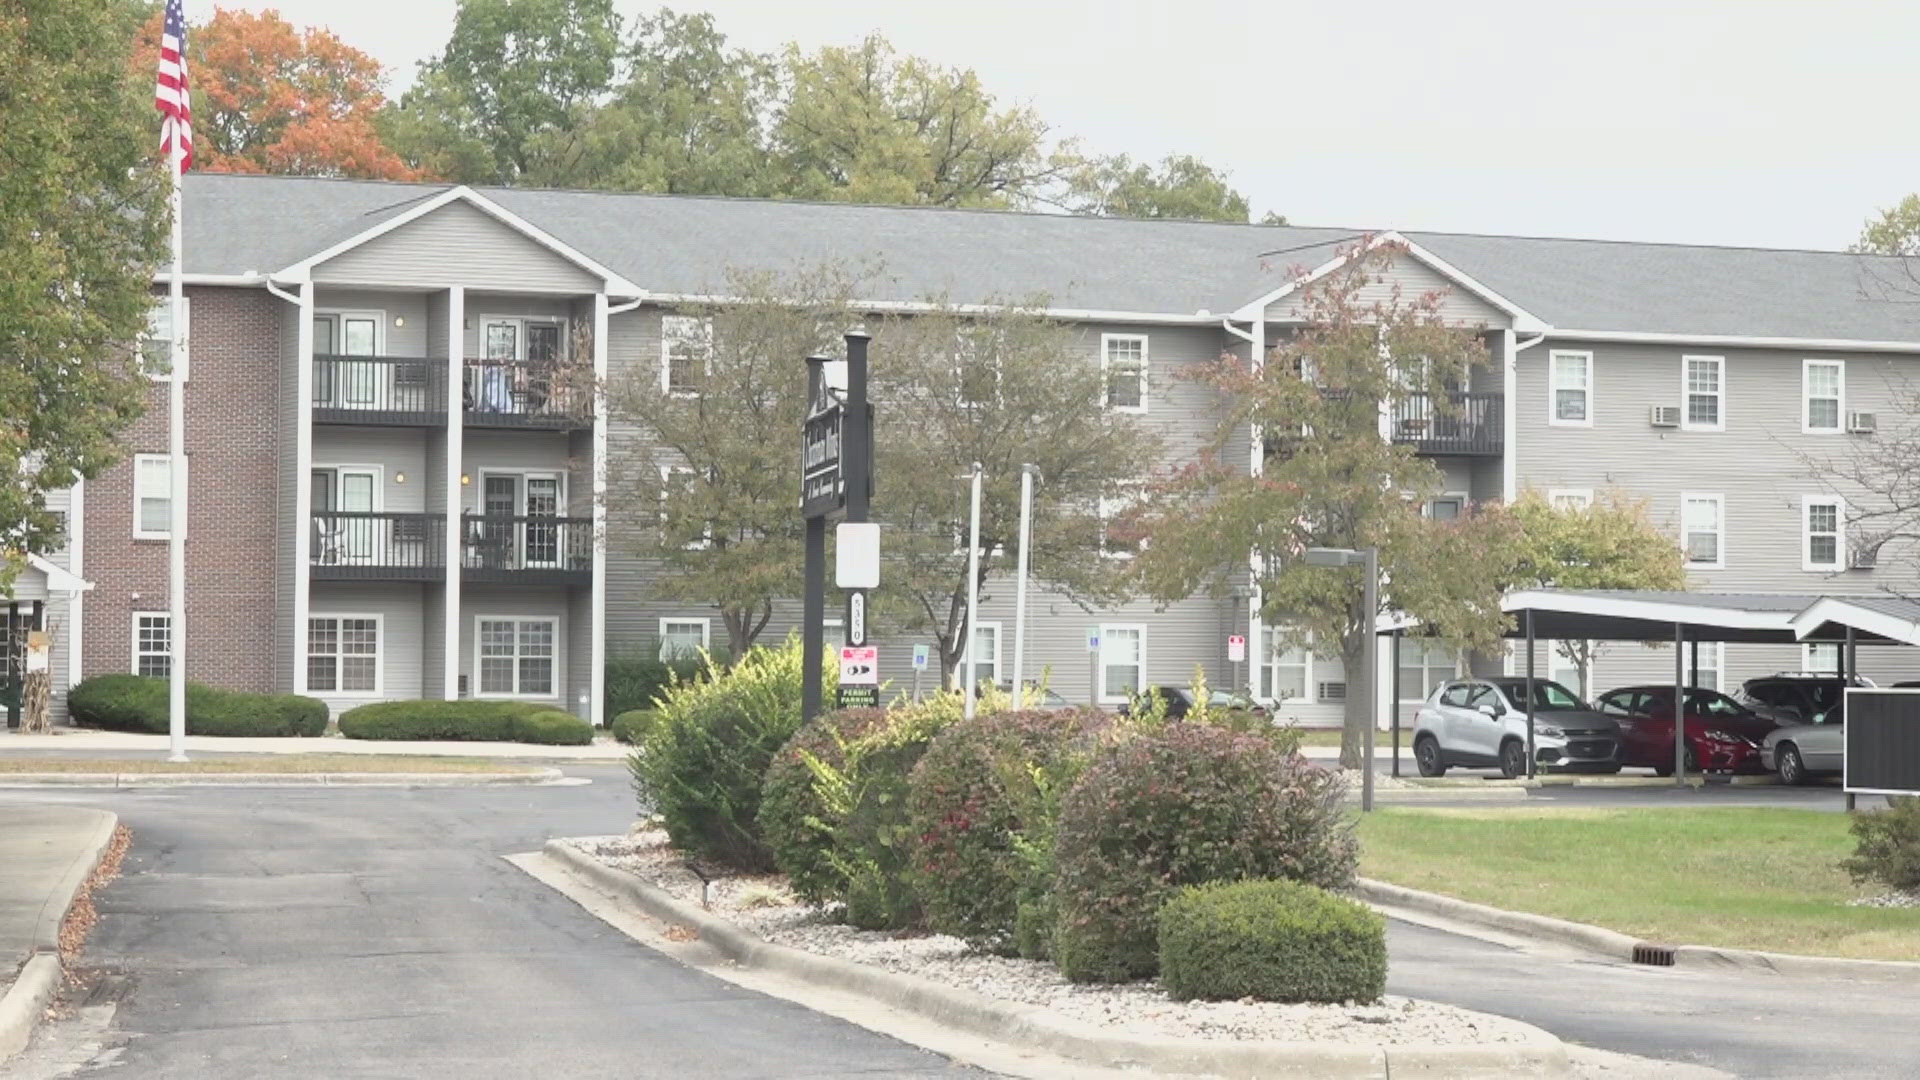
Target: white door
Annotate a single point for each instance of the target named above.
(360, 384)
(357, 491)
(540, 541)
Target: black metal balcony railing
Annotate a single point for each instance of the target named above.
(496, 544)
(1471, 422)
(527, 392)
(379, 389)
(361, 544)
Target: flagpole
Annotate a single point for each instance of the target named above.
(177, 493)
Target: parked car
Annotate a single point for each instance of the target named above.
(1037, 697)
(1796, 697)
(1722, 734)
(1179, 701)
(1799, 752)
(1482, 723)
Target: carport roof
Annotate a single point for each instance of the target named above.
(1770, 618)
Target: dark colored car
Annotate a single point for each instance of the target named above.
(1179, 701)
(1722, 734)
(1798, 697)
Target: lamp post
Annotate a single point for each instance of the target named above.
(1370, 559)
(967, 673)
(1027, 473)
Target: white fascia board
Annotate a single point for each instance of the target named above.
(59, 580)
(922, 307)
(1735, 341)
(1522, 320)
(1648, 610)
(255, 281)
(1838, 610)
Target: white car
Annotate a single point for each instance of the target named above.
(1481, 724)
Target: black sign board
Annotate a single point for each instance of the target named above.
(822, 488)
(1883, 742)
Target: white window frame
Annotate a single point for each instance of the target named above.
(992, 626)
(1427, 683)
(520, 322)
(186, 345)
(337, 388)
(1108, 508)
(1583, 497)
(1270, 665)
(1810, 649)
(1719, 501)
(668, 473)
(702, 335)
(140, 461)
(479, 680)
(1105, 695)
(1806, 398)
(167, 656)
(1558, 661)
(1717, 650)
(706, 635)
(1687, 393)
(1426, 510)
(1839, 534)
(1554, 387)
(1146, 365)
(379, 653)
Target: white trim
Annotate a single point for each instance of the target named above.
(76, 550)
(558, 671)
(998, 648)
(520, 324)
(923, 307)
(1630, 607)
(705, 326)
(1461, 497)
(706, 631)
(1584, 495)
(611, 282)
(256, 281)
(1808, 663)
(1264, 680)
(667, 475)
(379, 653)
(1553, 387)
(302, 488)
(1807, 503)
(59, 580)
(1720, 546)
(1687, 393)
(1806, 398)
(1106, 635)
(1841, 610)
(1521, 319)
(456, 463)
(597, 596)
(1146, 368)
(133, 626)
(1735, 341)
(185, 335)
(138, 461)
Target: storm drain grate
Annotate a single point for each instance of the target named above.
(1647, 952)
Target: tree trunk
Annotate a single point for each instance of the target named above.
(36, 696)
(1353, 729)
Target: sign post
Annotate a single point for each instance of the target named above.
(919, 668)
(836, 473)
(1237, 655)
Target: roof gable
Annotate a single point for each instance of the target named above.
(1412, 272)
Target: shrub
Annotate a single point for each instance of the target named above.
(137, 703)
(1887, 845)
(636, 681)
(552, 727)
(631, 727)
(1272, 941)
(834, 808)
(702, 767)
(1186, 805)
(981, 803)
(462, 720)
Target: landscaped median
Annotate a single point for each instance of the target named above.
(1724, 878)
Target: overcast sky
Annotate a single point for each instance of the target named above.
(1779, 123)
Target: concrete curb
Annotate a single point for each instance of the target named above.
(1036, 1028)
(1620, 946)
(170, 780)
(26, 1000)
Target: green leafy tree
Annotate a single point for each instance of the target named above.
(1330, 480)
(83, 220)
(1181, 187)
(1004, 388)
(1895, 231)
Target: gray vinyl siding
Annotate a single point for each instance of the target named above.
(397, 451)
(578, 632)
(456, 244)
(433, 641)
(401, 608)
(479, 601)
(1414, 279)
(434, 474)
(409, 309)
(286, 636)
(439, 311)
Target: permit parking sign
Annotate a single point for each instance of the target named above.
(859, 677)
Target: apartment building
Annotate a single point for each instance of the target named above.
(394, 459)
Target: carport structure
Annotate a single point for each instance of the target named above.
(1688, 618)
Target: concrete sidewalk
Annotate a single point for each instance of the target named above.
(47, 853)
(83, 740)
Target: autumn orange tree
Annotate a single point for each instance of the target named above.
(271, 98)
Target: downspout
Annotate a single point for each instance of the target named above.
(1510, 411)
(603, 314)
(1256, 654)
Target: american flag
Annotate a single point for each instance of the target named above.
(170, 90)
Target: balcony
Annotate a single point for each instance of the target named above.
(359, 546)
(1469, 423)
(379, 390)
(531, 549)
(527, 393)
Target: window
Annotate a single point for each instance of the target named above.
(155, 348)
(682, 639)
(1120, 534)
(1570, 498)
(1823, 383)
(1447, 507)
(516, 656)
(1703, 531)
(986, 654)
(1707, 672)
(1571, 396)
(152, 496)
(976, 364)
(1123, 659)
(1288, 674)
(152, 644)
(343, 654)
(1823, 657)
(686, 353)
(1703, 385)
(678, 482)
(1822, 519)
(1424, 665)
(1124, 359)
(1563, 668)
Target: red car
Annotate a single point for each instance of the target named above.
(1722, 734)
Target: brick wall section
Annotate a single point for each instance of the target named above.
(232, 542)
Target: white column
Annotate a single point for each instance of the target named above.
(302, 488)
(456, 495)
(76, 562)
(1509, 409)
(597, 678)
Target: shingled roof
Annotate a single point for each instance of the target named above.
(685, 245)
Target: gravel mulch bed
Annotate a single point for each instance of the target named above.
(762, 906)
(1888, 900)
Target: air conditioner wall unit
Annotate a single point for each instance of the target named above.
(1664, 415)
(1333, 691)
(1863, 423)
(1864, 557)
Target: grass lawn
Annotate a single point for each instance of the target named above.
(1323, 737)
(1740, 878)
(263, 763)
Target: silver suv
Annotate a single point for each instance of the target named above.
(1481, 723)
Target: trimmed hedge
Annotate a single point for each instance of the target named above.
(1272, 941)
(138, 703)
(465, 721)
(632, 727)
(1887, 845)
(638, 681)
(1185, 805)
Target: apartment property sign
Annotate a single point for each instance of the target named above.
(823, 489)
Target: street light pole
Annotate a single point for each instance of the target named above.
(973, 597)
(1027, 473)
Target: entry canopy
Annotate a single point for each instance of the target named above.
(1764, 618)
